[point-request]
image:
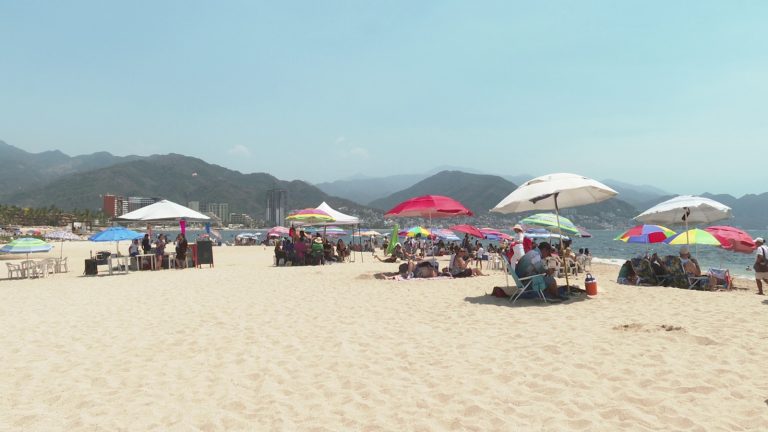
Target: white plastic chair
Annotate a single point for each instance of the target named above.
(61, 265)
(14, 269)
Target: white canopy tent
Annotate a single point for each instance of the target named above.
(164, 211)
(339, 217)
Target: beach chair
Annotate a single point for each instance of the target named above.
(721, 277)
(530, 283)
(49, 265)
(14, 269)
(679, 278)
(61, 266)
(644, 271)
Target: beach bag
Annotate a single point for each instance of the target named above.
(499, 292)
(762, 267)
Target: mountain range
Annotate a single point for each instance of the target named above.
(80, 181)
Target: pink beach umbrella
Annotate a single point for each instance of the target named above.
(732, 239)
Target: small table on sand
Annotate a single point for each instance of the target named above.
(121, 262)
(152, 261)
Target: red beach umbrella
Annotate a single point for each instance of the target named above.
(732, 239)
(429, 206)
(468, 229)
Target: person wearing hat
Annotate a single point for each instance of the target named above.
(761, 264)
(517, 244)
(690, 264)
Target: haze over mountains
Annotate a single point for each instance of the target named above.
(54, 178)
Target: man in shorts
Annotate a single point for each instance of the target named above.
(532, 263)
(761, 264)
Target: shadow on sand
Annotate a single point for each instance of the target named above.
(488, 299)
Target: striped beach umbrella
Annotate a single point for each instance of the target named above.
(646, 234)
(550, 221)
(309, 216)
(26, 245)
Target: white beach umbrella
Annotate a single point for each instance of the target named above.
(566, 190)
(685, 209)
(553, 192)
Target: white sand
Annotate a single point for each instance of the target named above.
(247, 346)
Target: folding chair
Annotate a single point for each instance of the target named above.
(529, 283)
(722, 278)
(644, 271)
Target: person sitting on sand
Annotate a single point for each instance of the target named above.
(532, 263)
(279, 252)
(341, 250)
(458, 267)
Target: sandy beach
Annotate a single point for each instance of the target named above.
(248, 346)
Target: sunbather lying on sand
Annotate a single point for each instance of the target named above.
(397, 254)
(416, 269)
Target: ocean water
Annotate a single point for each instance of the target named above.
(601, 245)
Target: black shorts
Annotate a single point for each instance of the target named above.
(463, 273)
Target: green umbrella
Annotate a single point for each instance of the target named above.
(26, 245)
(549, 221)
(393, 239)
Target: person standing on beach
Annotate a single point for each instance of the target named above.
(761, 264)
(181, 251)
(518, 239)
(159, 252)
(146, 244)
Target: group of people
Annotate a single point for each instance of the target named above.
(301, 249)
(181, 247)
(418, 267)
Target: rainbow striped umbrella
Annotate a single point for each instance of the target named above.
(415, 231)
(645, 234)
(693, 236)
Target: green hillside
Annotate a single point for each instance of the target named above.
(180, 179)
(477, 192)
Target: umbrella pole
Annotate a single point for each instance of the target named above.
(560, 231)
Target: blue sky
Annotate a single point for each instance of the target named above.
(671, 94)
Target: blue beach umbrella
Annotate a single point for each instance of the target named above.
(26, 245)
(115, 234)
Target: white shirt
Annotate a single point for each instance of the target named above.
(762, 250)
(480, 253)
